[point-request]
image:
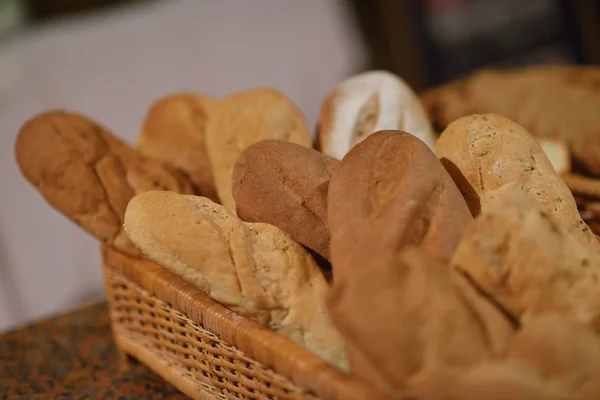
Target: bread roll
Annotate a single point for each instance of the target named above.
(245, 118)
(174, 132)
(413, 317)
(485, 152)
(367, 103)
(390, 191)
(255, 270)
(528, 262)
(286, 185)
(89, 175)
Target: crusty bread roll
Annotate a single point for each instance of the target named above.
(391, 191)
(174, 132)
(255, 270)
(484, 152)
(527, 261)
(245, 118)
(89, 175)
(413, 317)
(286, 185)
(367, 103)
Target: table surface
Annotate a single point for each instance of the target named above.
(73, 356)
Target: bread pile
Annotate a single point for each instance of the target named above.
(557, 105)
(450, 269)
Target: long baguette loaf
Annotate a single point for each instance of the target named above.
(256, 270)
(174, 132)
(89, 175)
(245, 118)
(484, 152)
(286, 185)
(391, 191)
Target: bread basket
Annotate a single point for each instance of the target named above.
(206, 350)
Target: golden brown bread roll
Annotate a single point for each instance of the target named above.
(174, 132)
(369, 102)
(89, 175)
(528, 262)
(245, 118)
(286, 185)
(411, 318)
(255, 270)
(391, 191)
(484, 152)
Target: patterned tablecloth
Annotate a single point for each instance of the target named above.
(73, 356)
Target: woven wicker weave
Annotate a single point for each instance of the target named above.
(205, 350)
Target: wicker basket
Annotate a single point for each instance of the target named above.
(206, 350)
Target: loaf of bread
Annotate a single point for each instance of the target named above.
(89, 175)
(369, 102)
(255, 270)
(174, 132)
(411, 318)
(484, 152)
(552, 357)
(286, 185)
(527, 261)
(243, 119)
(391, 191)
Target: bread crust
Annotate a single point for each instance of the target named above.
(286, 185)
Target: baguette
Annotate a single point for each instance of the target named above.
(89, 175)
(256, 270)
(484, 152)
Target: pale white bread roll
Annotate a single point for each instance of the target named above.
(557, 151)
(369, 102)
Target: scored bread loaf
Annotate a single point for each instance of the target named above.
(255, 270)
(527, 261)
(484, 152)
(174, 132)
(89, 175)
(245, 118)
(411, 318)
(391, 191)
(369, 102)
(286, 185)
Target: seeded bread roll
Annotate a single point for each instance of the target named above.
(286, 185)
(174, 132)
(485, 152)
(89, 175)
(243, 119)
(367, 103)
(255, 270)
(390, 191)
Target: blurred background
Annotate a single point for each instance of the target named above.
(110, 59)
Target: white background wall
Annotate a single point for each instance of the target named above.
(111, 66)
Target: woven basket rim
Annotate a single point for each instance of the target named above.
(253, 339)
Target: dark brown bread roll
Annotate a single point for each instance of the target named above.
(286, 185)
(391, 191)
